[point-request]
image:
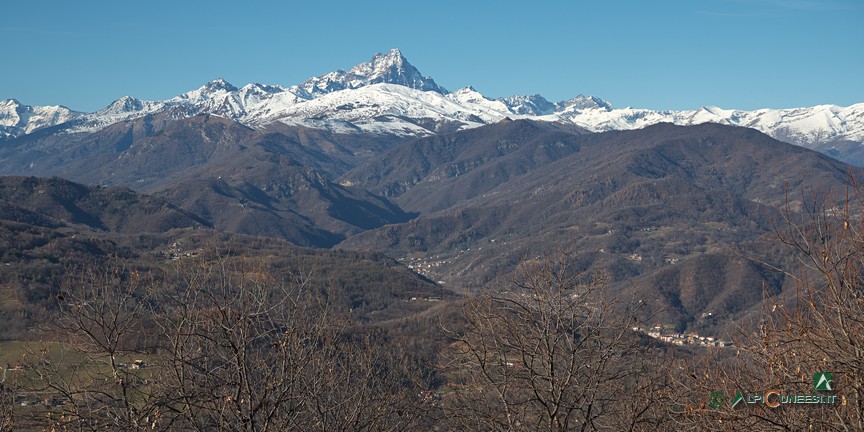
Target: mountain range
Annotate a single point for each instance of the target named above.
(651, 207)
(458, 186)
(389, 96)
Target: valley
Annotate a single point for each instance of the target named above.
(370, 227)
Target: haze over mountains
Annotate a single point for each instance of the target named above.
(462, 187)
(389, 96)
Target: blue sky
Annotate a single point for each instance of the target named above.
(649, 54)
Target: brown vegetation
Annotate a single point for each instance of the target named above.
(552, 352)
(222, 346)
(817, 326)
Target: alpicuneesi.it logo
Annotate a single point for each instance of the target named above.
(822, 382)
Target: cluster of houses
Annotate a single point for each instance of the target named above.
(133, 364)
(689, 338)
(176, 252)
(424, 267)
(428, 299)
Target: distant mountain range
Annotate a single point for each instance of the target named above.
(670, 213)
(389, 96)
(460, 187)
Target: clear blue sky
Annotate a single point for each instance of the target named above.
(648, 53)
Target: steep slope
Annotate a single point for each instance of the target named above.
(17, 119)
(275, 199)
(138, 153)
(54, 202)
(529, 105)
(151, 150)
(438, 172)
(270, 182)
(710, 291)
(390, 68)
(628, 203)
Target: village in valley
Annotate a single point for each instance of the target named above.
(659, 331)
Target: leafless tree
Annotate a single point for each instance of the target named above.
(250, 351)
(7, 399)
(222, 344)
(816, 326)
(86, 378)
(552, 351)
(820, 325)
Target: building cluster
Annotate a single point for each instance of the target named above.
(133, 364)
(176, 252)
(428, 299)
(425, 267)
(689, 338)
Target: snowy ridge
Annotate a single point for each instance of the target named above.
(18, 119)
(802, 126)
(387, 95)
(529, 105)
(395, 109)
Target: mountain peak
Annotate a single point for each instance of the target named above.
(379, 63)
(529, 105)
(585, 102)
(17, 118)
(262, 88)
(468, 89)
(394, 56)
(5, 103)
(11, 112)
(217, 85)
(214, 88)
(125, 104)
(393, 68)
(389, 68)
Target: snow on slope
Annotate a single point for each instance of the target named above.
(803, 126)
(388, 108)
(19, 119)
(387, 95)
(390, 68)
(535, 105)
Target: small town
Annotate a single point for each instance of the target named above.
(689, 338)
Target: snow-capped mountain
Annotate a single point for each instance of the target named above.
(387, 95)
(390, 68)
(806, 127)
(529, 105)
(19, 119)
(390, 109)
